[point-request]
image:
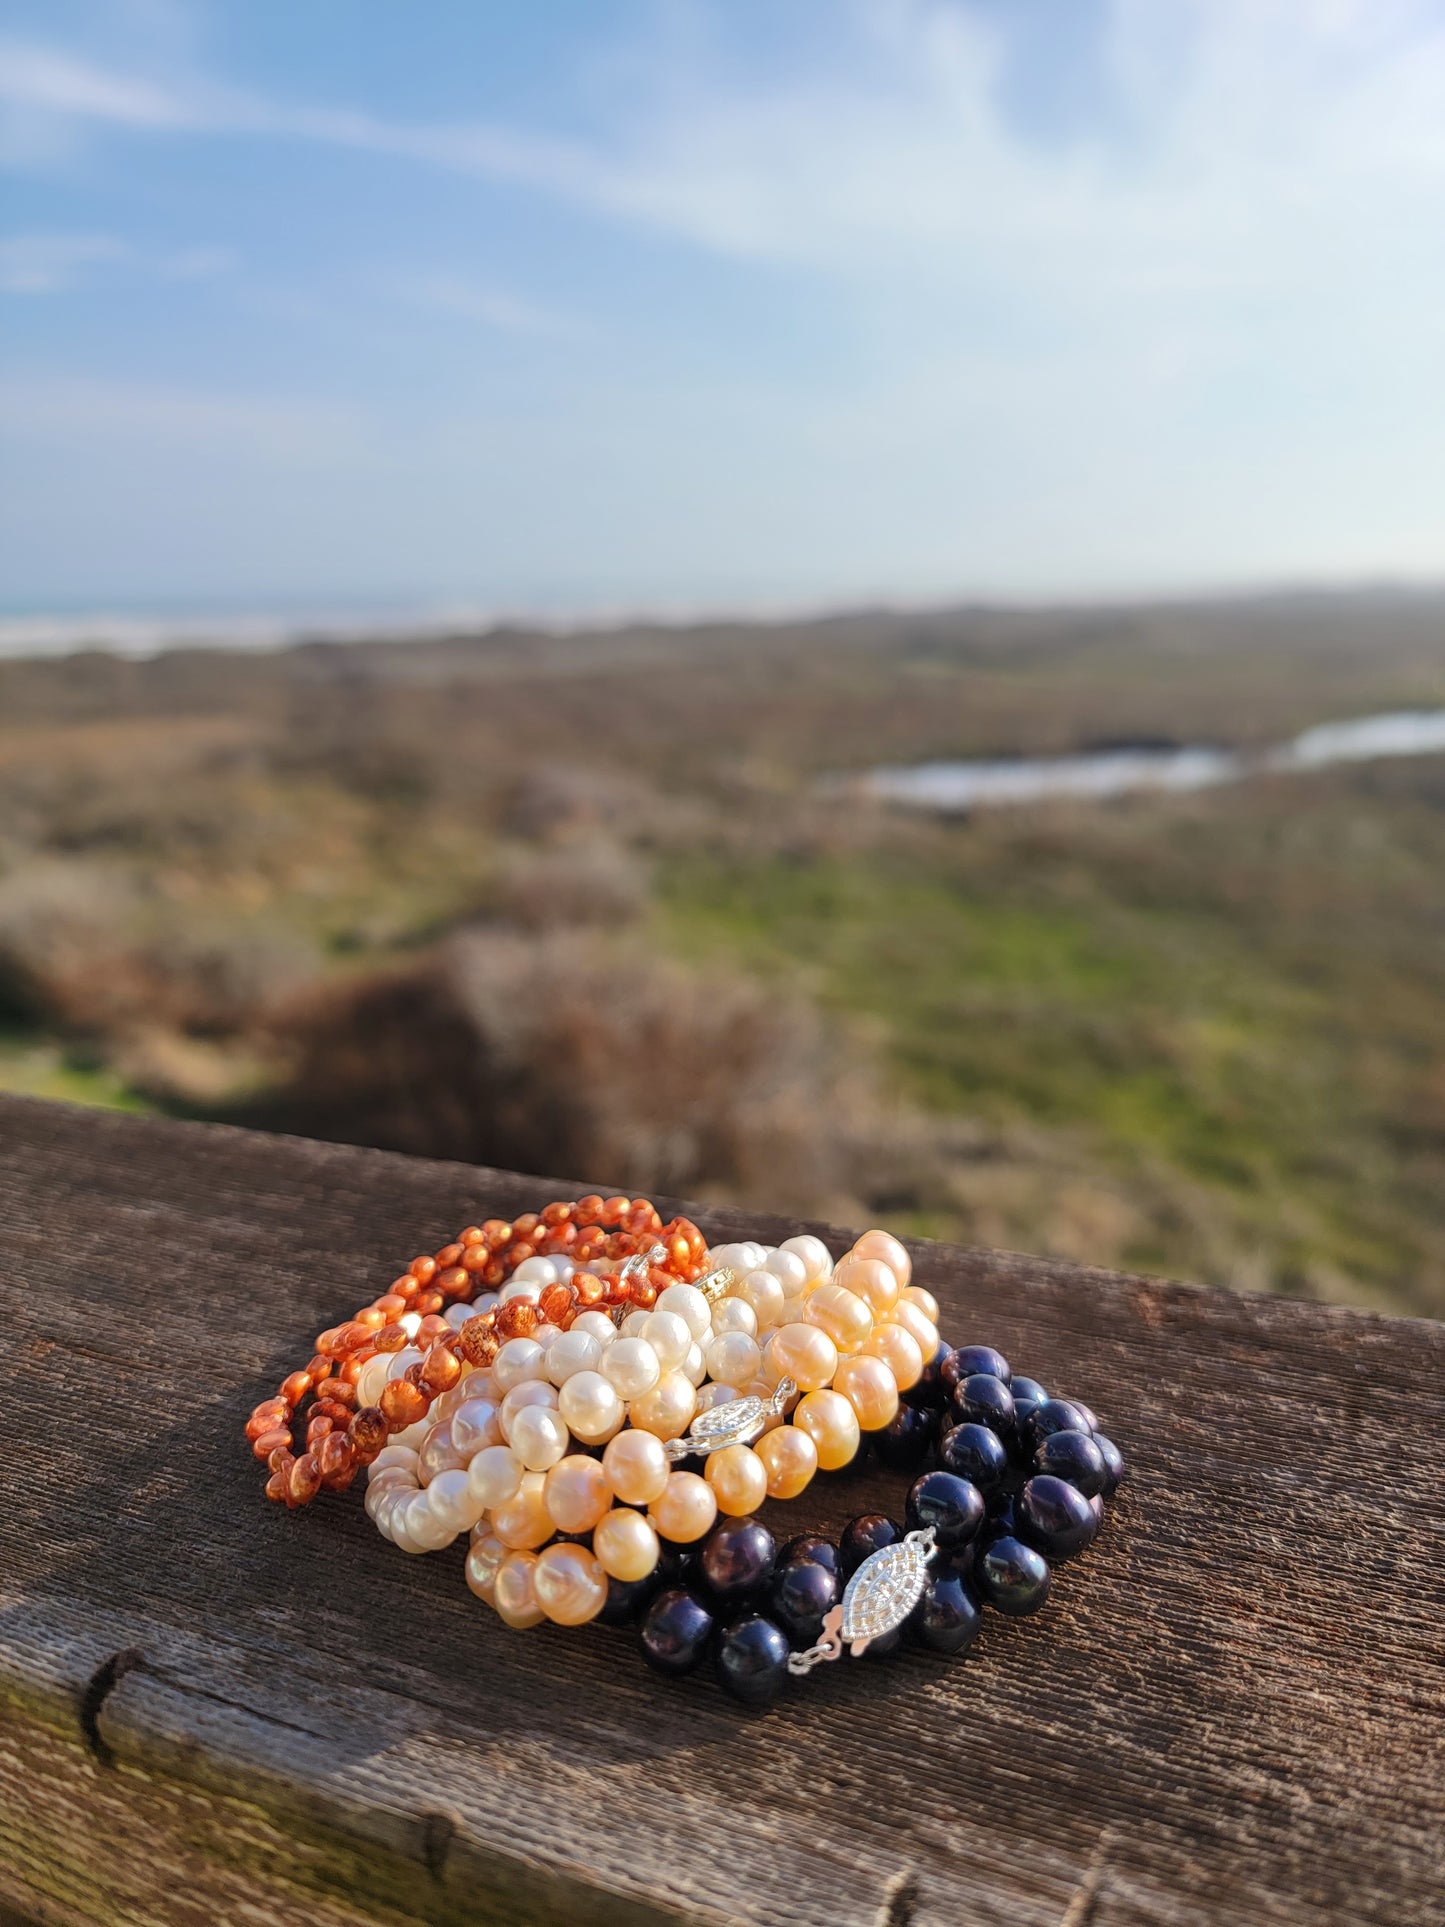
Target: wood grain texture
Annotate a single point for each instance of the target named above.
(213, 1710)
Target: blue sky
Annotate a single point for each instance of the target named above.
(577, 306)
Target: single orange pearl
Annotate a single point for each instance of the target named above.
(841, 1313)
(870, 1388)
(626, 1544)
(872, 1280)
(577, 1493)
(523, 1521)
(686, 1509)
(739, 1479)
(924, 1301)
(512, 1594)
(882, 1244)
(805, 1353)
(636, 1466)
(569, 1584)
(790, 1459)
(900, 1352)
(832, 1425)
(923, 1329)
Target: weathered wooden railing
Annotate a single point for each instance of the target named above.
(214, 1711)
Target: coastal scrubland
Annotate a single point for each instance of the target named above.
(586, 904)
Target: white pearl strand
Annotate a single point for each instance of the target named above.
(519, 1416)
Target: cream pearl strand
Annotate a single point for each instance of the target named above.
(859, 1333)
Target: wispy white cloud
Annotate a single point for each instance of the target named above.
(42, 264)
(492, 307)
(49, 263)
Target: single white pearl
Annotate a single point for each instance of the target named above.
(372, 1378)
(383, 1509)
(438, 1454)
(400, 1524)
(788, 1268)
(694, 1366)
(734, 1256)
(394, 1454)
(532, 1392)
(590, 1407)
(475, 1426)
(546, 1336)
(733, 1356)
(397, 1362)
(632, 1324)
(691, 1306)
(574, 1351)
(598, 1324)
(484, 1301)
(410, 1323)
(718, 1393)
(631, 1367)
(533, 1271)
(539, 1437)
(668, 1335)
(457, 1315)
(430, 1532)
(515, 1287)
(816, 1257)
(452, 1500)
(763, 1291)
(495, 1475)
(517, 1361)
(733, 1315)
(756, 1254)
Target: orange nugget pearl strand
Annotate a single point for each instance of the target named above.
(597, 1253)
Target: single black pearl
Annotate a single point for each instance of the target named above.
(984, 1400)
(1011, 1576)
(974, 1452)
(676, 1629)
(1054, 1415)
(902, 1444)
(947, 1617)
(969, 1361)
(1055, 1516)
(1087, 1412)
(627, 1599)
(738, 1557)
(1027, 1393)
(810, 1549)
(930, 1391)
(864, 1536)
(1074, 1456)
(1113, 1464)
(952, 1506)
(752, 1659)
(800, 1594)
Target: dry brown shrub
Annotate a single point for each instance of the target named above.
(570, 1053)
(84, 949)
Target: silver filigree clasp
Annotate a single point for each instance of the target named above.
(738, 1422)
(880, 1596)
